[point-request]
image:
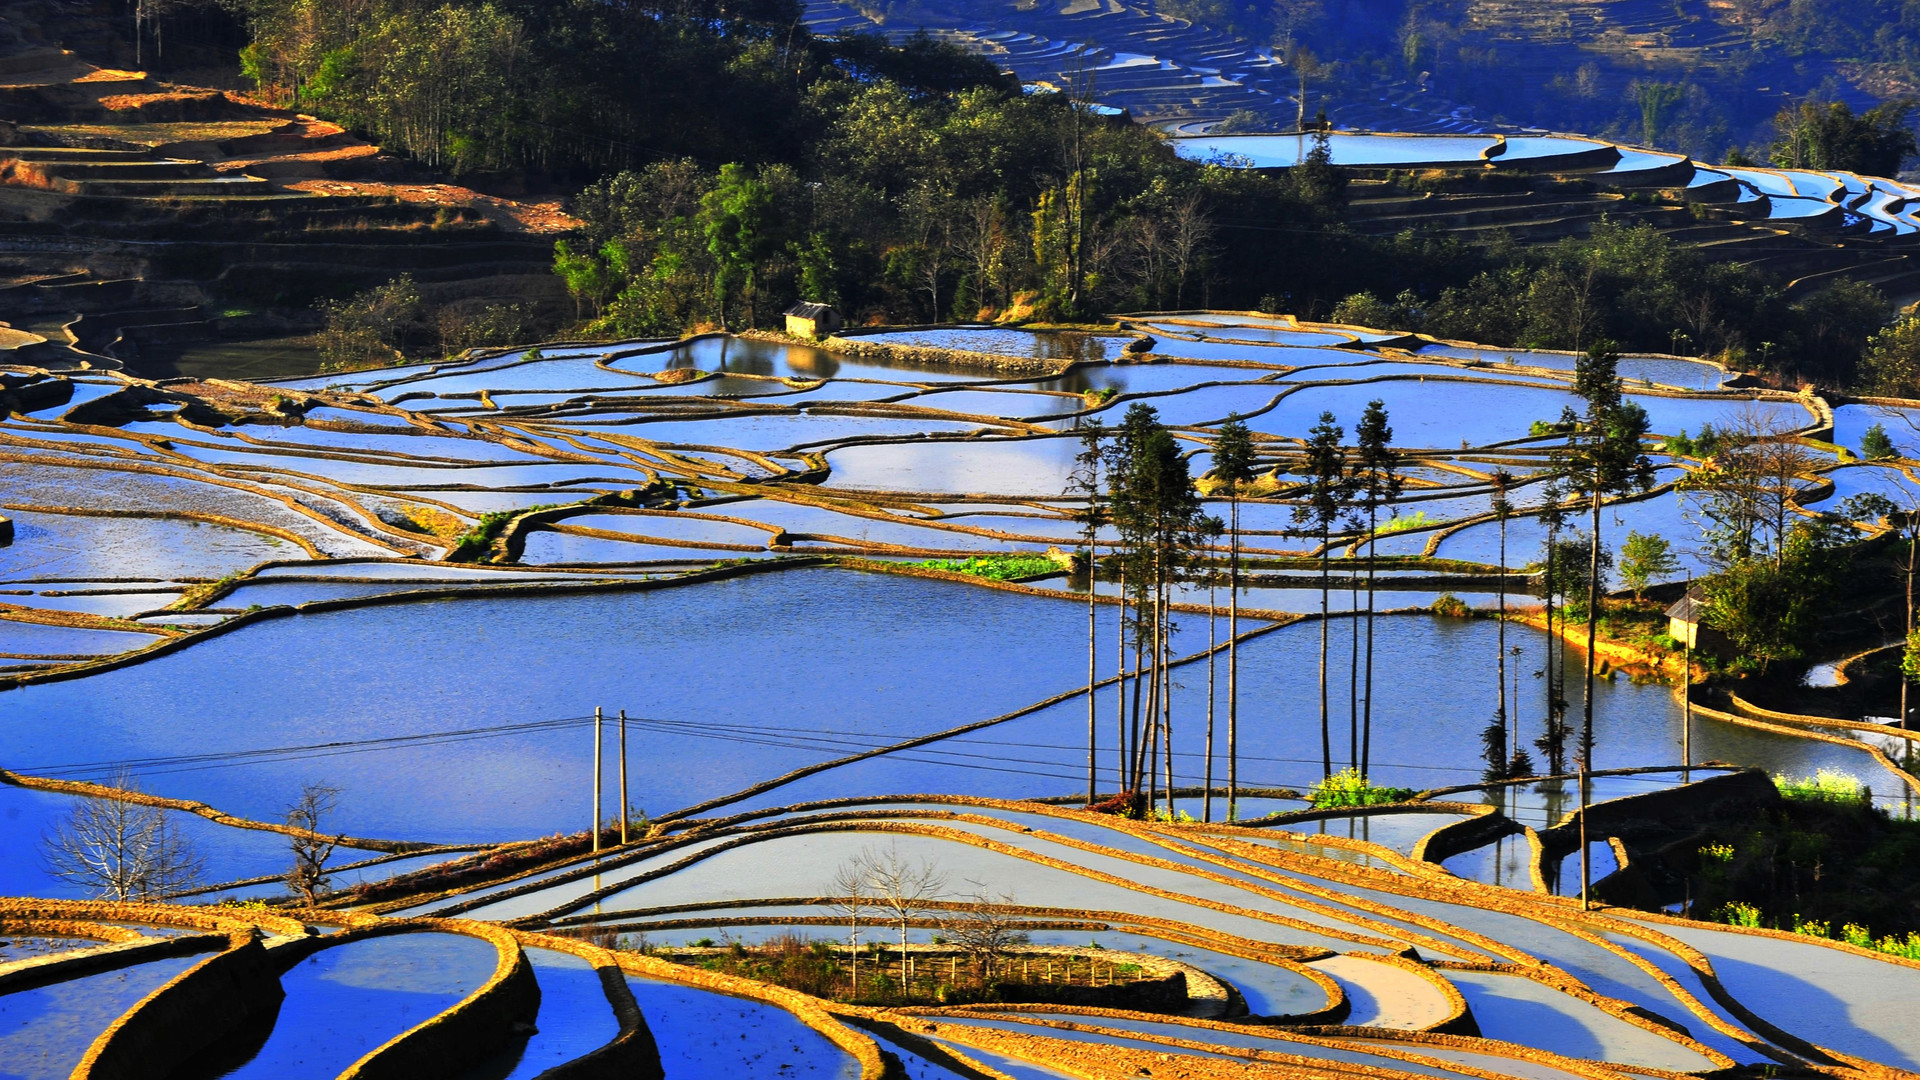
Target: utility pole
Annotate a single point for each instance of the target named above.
(598, 730)
(1686, 688)
(1913, 542)
(1586, 869)
(1206, 803)
(623, 778)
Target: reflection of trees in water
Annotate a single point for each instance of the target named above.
(1558, 797)
(1076, 381)
(1066, 345)
(745, 356)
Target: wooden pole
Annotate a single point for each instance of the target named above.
(1093, 741)
(1686, 689)
(598, 730)
(1586, 871)
(1120, 687)
(1206, 798)
(623, 777)
(1233, 655)
(1913, 544)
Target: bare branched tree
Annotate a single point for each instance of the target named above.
(988, 931)
(311, 811)
(121, 850)
(1744, 497)
(983, 240)
(901, 886)
(1188, 234)
(852, 894)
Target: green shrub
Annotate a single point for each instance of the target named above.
(1416, 520)
(1348, 788)
(1875, 444)
(1825, 786)
(1450, 606)
(1854, 934)
(995, 567)
(1908, 947)
(1819, 928)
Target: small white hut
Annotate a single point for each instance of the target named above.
(812, 321)
(1683, 619)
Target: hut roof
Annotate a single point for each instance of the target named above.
(1687, 608)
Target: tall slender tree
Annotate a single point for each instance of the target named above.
(1501, 483)
(1354, 523)
(1379, 486)
(1605, 456)
(1553, 740)
(1211, 529)
(1323, 497)
(1086, 481)
(1124, 451)
(1233, 463)
(1154, 502)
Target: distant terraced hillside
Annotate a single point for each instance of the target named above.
(1580, 64)
(144, 223)
(1805, 227)
(1159, 68)
(1681, 74)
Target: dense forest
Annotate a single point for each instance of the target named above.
(746, 164)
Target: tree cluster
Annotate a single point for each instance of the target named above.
(1831, 136)
(1632, 285)
(981, 204)
(485, 85)
(394, 321)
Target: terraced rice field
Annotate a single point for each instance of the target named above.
(418, 584)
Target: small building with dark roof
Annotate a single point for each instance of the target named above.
(1683, 620)
(812, 321)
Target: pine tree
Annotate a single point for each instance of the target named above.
(1155, 505)
(1325, 493)
(1211, 529)
(1553, 741)
(1379, 486)
(1496, 734)
(1086, 481)
(1233, 461)
(1604, 456)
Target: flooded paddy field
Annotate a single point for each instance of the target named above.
(832, 589)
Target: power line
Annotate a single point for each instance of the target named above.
(182, 763)
(776, 736)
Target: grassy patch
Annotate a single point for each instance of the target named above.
(1348, 788)
(1826, 786)
(1416, 520)
(995, 567)
(474, 544)
(196, 595)
(430, 520)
